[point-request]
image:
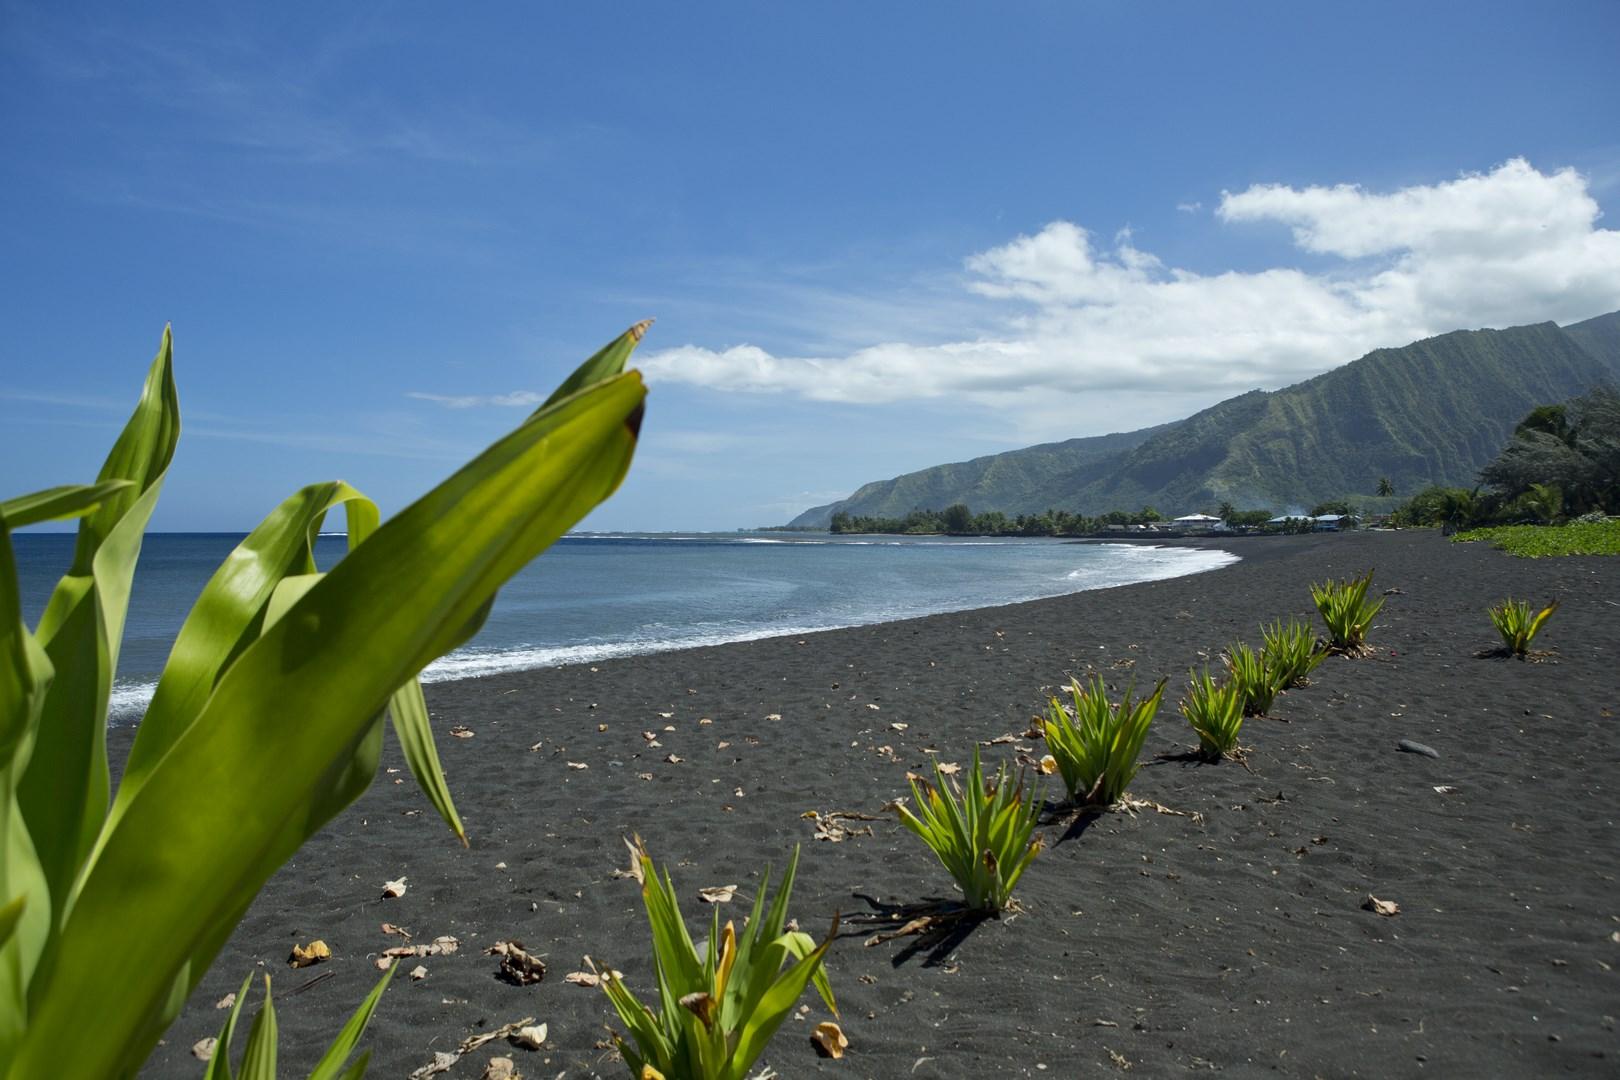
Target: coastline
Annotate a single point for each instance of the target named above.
(1237, 943)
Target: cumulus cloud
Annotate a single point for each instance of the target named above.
(1081, 318)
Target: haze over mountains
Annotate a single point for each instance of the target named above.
(1433, 412)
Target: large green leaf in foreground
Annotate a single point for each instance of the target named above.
(268, 725)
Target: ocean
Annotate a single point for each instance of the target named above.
(595, 596)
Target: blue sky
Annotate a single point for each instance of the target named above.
(876, 237)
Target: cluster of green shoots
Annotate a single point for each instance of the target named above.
(719, 1006)
(982, 832)
(1516, 623)
(1096, 749)
(1290, 653)
(1347, 612)
(1253, 678)
(1215, 713)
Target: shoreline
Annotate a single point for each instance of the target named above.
(129, 700)
(1236, 942)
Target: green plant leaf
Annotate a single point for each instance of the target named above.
(328, 1068)
(606, 363)
(219, 1066)
(259, 1058)
(254, 772)
(58, 503)
(64, 793)
(225, 620)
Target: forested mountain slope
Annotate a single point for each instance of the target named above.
(1432, 412)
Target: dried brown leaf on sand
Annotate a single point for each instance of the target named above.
(830, 1040)
(920, 925)
(517, 965)
(583, 978)
(949, 768)
(394, 889)
(1381, 907)
(529, 1038)
(578, 765)
(717, 894)
(306, 955)
(462, 731)
(227, 1001)
(418, 973)
(443, 1061)
(501, 1068)
(635, 862)
(440, 946)
(831, 825)
(396, 931)
(1131, 804)
(203, 1049)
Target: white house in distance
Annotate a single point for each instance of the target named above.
(1197, 522)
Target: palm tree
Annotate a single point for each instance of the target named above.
(1385, 488)
(1226, 511)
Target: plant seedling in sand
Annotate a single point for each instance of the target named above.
(983, 833)
(717, 1008)
(1097, 749)
(1215, 711)
(268, 717)
(1347, 612)
(1517, 625)
(1253, 678)
(1289, 653)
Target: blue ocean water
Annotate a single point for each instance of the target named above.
(597, 596)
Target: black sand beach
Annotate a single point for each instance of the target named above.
(1235, 944)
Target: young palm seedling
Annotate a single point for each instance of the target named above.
(719, 1007)
(1253, 678)
(1215, 711)
(1347, 612)
(1097, 748)
(1289, 653)
(982, 833)
(1517, 625)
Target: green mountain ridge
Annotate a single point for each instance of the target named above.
(1432, 412)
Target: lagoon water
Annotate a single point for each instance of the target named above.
(596, 596)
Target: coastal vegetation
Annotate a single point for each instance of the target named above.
(982, 833)
(1096, 749)
(1215, 713)
(959, 520)
(1289, 653)
(1255, 680)
(1347, 612)
(266, 722)
(718, 1007)
(1537, 541)
(1517, 625)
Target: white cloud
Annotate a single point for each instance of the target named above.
(1113, 331)
(516, 399)
(1189, 207)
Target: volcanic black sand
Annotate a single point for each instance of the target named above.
(1235, 943)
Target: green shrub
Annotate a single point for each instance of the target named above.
(1215, 712)
(1097, 750)
(1517, 625)
(1347, 612)
(982, 832)
(1583, 537)
(1254, 680)
(267, 719)
(720, 1007)
(1289, 653)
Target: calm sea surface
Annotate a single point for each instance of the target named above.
(591, 597)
